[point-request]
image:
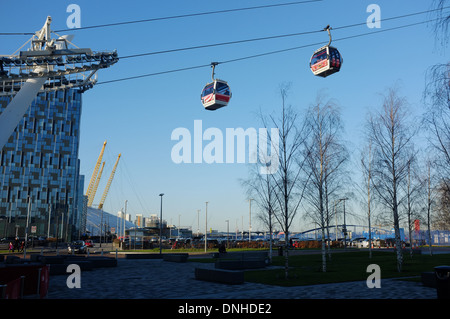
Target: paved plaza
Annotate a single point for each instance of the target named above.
(159, 279)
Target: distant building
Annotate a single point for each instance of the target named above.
(40, 163)
(139, 220)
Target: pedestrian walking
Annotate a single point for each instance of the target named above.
(16, 244)
(11, 247)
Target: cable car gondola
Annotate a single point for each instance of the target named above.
(216, 94)
(326, 60)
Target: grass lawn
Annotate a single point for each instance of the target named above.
(350, 266)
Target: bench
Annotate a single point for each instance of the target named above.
(242, 260)
(241, 264)
(143, 256)
(242, 255)
(101, 262)
(223, 276)
(51, 260)
(180, 258)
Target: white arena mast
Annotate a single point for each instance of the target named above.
(49, 64)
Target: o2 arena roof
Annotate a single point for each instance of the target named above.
(109, 221)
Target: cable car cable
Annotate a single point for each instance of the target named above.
(173, 17)
(192, 15)
(316, 44)
(264, 38)
(156, 73)
(213, 12)
(263, 54)
(219, 44)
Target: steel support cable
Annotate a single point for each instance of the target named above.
(215, 12)
(265, 54)
(173, 17)
(218, 44)
(321, 43)
(268, 37)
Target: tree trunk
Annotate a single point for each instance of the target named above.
(398, 242)
(429, 208)
(324, 255)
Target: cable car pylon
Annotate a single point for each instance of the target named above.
(50, 64)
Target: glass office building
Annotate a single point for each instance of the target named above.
(40, 182)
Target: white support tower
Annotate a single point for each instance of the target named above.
(49, 64)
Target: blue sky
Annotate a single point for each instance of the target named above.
(137, 117)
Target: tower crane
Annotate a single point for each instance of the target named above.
(105, 192)
(94, 176)
(94, 189)
(48, 65)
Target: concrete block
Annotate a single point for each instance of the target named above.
(220, 275)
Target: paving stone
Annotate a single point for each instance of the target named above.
(156, 279)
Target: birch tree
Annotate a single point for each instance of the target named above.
(430, 195)
(391, 134)
(442, 217)
(325, 155)
(440, 28)
(280, 193)
(261, 188)
(289, 184)
(367, 172)
(413, 189)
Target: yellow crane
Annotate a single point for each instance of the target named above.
(94, 175)
(94, 190)
(105, 192)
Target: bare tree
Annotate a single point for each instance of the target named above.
(391, 135)
(437, 117)
(443, 19)
(413, 187)
(430, 197)
(261, 188)
(325, 156)
(442, 217)
(287, 180)
(367, 171)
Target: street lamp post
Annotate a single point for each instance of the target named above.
(124, 216)
(344, 230)
(250, 220)
(206, 226)
(160, 226)
(26, 228)
(198, 222)
(228, 230)
(101, 228)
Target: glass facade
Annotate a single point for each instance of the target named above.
(39, 169)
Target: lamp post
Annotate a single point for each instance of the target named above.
(250, 220)
(344, 230)
(228, 230)
(179, 225)
(198, 222)
(206, 226)
(26, 228)
(160, 226)
(101, 228)
(124, 221)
